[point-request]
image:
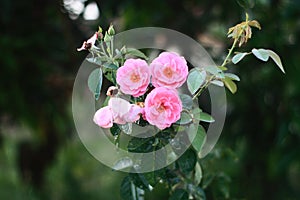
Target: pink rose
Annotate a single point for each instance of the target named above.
(134, 77)
(169, 70)
(104, 117)
(118, 111)
(162, 107)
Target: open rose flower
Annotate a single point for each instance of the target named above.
(162, 107)
(169, 70)
(90, 43)
(118, 111)
(134, 77)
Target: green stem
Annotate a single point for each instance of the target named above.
(203, 87)
(229, 53)
(103, 50)
(212, 77)
(112, 47)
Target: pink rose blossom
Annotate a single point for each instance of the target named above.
(134, 113)
(162, 107)
(118, 111)
(104, 117)
(169, 70)
(134, 77)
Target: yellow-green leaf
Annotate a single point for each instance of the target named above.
(230, 85)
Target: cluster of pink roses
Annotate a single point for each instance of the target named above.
(162, 105)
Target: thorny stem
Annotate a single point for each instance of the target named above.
(212, 77)
(229, 53)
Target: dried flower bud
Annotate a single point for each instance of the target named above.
(112, 91)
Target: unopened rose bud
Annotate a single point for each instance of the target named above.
(111, 30)
(107, 37)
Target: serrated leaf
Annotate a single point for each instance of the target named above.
(230, 85)
(232, 76)
(195, 79)
(217, 83)
(187, 101)
(187, 161)
(261, 54)
(238, 57)
(276, 59)
(123, 163)
(179, 194)
(135, 53)
(198, 174)
(95, 82)
(200, 137)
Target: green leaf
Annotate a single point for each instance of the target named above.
(127, 190)
(187, 101)
(238, 57)
(95, 60)
(140, 181)
(261, 54)
(198, 174)
(212, 69)
(179, 194)
(195, 79)
(217, 83)
(230, 85)
(135, 53)
(141, 145)
(200, 137)
(110, 66)
(115, 130)
(187, 161)
(95, 82)
(185, 118)
(123, 163)
(202, 116)
(276, 59)
(232, 76)
(198, 193)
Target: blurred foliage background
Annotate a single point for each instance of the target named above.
(41, 156)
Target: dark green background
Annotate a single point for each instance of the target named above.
(41, 157)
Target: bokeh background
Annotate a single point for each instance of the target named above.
(41, 156)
